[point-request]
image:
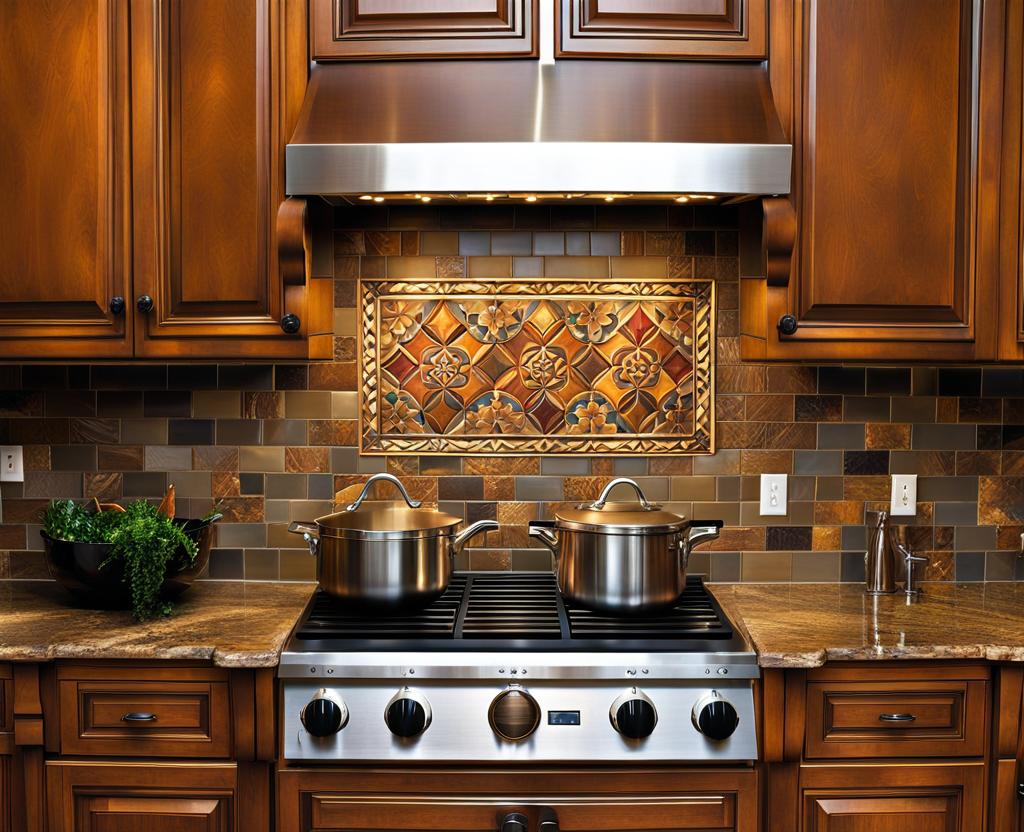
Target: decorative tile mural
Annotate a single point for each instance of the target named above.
(542, 367)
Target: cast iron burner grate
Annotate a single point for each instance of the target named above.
(512, 611)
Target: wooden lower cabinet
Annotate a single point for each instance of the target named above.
(132, 796)
(907, 798)
(623, 800)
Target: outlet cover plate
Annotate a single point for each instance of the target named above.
(774, 491)
(903, 496)
(12, 464)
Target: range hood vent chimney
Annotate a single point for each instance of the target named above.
(573, 126)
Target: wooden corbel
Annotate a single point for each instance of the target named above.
(309, 297)
(778, 236)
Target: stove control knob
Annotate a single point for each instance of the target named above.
(715, 717)
(514, 714)
(324, 714)
(633, 714)
(407, 714)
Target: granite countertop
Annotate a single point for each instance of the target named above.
(232, 624)
(805, 625)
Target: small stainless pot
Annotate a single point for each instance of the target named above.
(622, 558)
(386, 554)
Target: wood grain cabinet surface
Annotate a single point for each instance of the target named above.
(6, 748)
(393, 29)
(888, 247)
(65, 242)
(940, 798)
(662, 28)
(143, 175)
(144, 712)
(132, 796)
(602, 800)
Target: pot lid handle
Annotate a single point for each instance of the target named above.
(391, 478)
(599, 504)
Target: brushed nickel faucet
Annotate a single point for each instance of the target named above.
(909, 559)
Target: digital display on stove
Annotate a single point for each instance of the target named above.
(563, 717)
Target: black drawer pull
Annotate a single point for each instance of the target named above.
(896, 717)
(144, 303)
(138, 716)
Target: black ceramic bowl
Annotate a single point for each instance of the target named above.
(78, 567)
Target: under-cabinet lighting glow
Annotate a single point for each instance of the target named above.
(531, 199)
(366, 197)
(682, 199)
(378, 199)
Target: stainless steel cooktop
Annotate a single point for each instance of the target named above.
(501, 669)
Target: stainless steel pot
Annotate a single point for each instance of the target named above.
(388, 554)
(622, 558)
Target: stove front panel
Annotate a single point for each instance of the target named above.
(574, 726)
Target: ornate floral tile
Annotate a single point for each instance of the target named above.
(544, 367)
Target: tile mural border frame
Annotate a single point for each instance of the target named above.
(371, 292)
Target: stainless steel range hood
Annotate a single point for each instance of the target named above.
(472, 127)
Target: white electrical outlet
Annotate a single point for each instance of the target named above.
(903, 499)
(773, 494)
(12, 464)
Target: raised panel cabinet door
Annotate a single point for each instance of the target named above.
(215, 88)
(391, 29)
(64, 240)
(906, 797)
(662, 28)
(897, 127)
(1011, 309)
(6, 793)
(130, 797)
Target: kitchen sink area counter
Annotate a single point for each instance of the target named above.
(231, 624)
(807, 625)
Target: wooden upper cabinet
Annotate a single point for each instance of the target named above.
(1011, 310)
(662, 28)
(895, 112)
(216, 88)
(392, 29)
(64, 240)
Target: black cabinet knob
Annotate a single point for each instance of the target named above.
(715, 717)
(117, 305)
(788, 324)
(407, 714)
(144, 303)
(514, 822)
(324, 715)
(290, 323)
(633, 715)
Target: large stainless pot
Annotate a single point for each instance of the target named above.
(390, 553)
(622, 558)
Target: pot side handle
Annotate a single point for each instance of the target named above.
(699, 531)
(472, 530)
(310, 533)
(543, 530)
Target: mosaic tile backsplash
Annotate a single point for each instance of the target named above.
(274, 443)
(503, 367)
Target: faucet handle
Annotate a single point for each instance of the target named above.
(909, 559)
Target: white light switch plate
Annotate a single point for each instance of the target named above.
(773, 494)
(12, 464)
(903, 499)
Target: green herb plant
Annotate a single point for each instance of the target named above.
(141, 539)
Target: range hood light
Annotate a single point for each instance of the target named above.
(489, 198)
(700, 196)
(682, 199)
(425, 199)
(531, 198)
(366, 197)
(378, 199)
(609, 198)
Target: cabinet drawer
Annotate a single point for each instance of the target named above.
(883, 718)
(145, 717)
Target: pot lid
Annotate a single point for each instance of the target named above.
(385, 521)
(634, 517)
